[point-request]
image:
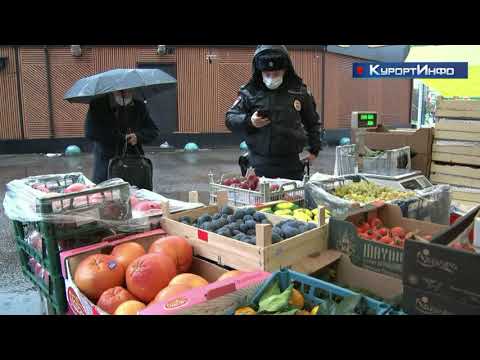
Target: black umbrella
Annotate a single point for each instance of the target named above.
(144, 83)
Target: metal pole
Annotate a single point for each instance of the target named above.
(19, 92)
(420, 105)
(49, 93)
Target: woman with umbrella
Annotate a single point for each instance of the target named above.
(118, 122)
(114, 122)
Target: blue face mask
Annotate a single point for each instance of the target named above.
(272, 83)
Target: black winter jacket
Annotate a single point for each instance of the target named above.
(294, 119)
(107, 126)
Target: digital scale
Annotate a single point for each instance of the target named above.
(399, 179)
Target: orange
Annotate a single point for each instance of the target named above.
(296, 299)
(245, 311)
(131, 307)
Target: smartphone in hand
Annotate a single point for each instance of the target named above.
(263, 113)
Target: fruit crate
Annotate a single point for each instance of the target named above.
(374, 255)
(318, 292)
(288, 190)
(96, 201)
(264, 255)
(346, 160)
(38, 246)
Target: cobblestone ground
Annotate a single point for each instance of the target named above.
(175, 175)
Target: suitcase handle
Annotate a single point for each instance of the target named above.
(125, 146)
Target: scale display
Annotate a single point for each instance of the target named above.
(366, 120)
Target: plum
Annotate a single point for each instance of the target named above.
(289, 231)
(251, 232)
(250, 224)
(224, 232)
(227, 210)
(259, 216)
(239, 214)
(186, 220)
(276, 238)
(247, 217)
(204, 218)
(250, 211)
(230, 219)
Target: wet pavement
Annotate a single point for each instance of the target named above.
(175, 174)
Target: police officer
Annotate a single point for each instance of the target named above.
(277, 114)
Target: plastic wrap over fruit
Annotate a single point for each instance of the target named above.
(316, 195)
(68, 199)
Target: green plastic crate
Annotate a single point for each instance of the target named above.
(53, 241)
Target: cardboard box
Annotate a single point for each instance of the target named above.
(219, 298)
(349, 275)
(419, 140)
(422, 302)
(81, 305)
(444, 271)
(375, 256)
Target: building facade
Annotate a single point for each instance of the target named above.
(35, 79)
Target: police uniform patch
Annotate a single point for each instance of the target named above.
(237, 101)
(297, 105)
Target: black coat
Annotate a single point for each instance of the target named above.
(107, 125)
(295, 123)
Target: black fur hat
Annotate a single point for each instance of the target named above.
(271, 60)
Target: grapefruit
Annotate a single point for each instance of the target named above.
(98, 273)
(112, 298)
(149, 274)
(127, 252)
(177, 248)
(131, 307)
(230, 274)
(169, 292)
(191, 280)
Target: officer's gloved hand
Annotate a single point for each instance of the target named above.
(258, 121)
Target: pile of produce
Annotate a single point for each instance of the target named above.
(71, 189)
(144, 206)
(293, 211)
(131, 278)
(374, 230)
(463, 246)
(241, 224)
(292, 302)
(68, 190)
(367, 192)
(252, 182)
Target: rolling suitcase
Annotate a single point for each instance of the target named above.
(135, 169)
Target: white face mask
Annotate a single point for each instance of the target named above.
(123, 100)
(272, 83)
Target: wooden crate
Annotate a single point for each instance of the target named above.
(466, 109)
(455, 175)
(242, 256)
(456, 135)
(465, 196)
